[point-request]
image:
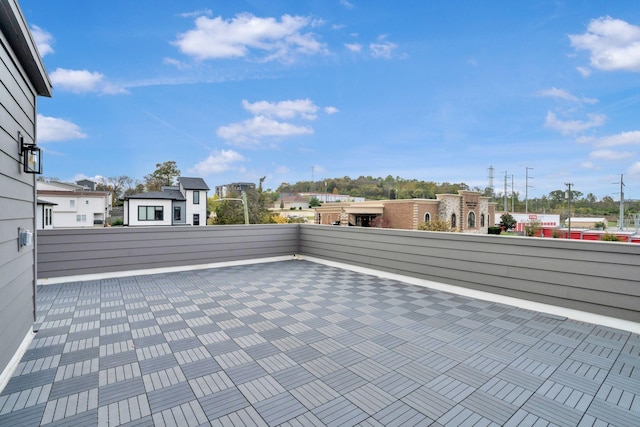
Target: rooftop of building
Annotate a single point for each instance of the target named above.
(305, 343)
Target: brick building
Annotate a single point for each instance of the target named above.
(467, 211)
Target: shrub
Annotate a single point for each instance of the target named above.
(555, 234)
(117, 221)
(607, 237)
(533, 228)
(435, 225)
(495, 229)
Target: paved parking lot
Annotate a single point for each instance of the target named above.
(298, 344)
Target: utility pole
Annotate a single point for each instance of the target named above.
(621, 202)
(568, 184)
(512, 195)
(526, 191)
(505, 192)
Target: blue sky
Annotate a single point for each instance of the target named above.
(432, 90)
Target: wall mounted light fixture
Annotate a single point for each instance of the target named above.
(31, 156)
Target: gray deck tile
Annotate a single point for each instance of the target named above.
(222, 403)
(462, 416)
(428, 402)
(120, 390)
(401, 414)
(340, 412)
(370, 398)
(168, 397)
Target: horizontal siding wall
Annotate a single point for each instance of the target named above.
(70, 252)
(597, 277)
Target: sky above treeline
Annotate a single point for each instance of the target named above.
(299, 90)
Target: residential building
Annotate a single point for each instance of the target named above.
(467, 211)
(23, 79)
(184, 204)
(225, 190)
(331, 198)
(74, 206)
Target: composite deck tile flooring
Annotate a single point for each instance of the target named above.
(296, 343)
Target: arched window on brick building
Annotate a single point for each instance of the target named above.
(453, 220)
(471, 220)
(482, 220)
(427, 217)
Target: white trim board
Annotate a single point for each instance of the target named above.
(6, 374)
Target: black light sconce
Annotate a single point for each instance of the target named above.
(31, 156)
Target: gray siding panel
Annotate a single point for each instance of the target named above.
(17, 202)
(598, 277)
(88, 251)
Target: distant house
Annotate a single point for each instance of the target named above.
(184, 204)
(73, 206)
(223, 191)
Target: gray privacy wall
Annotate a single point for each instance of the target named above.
(70, 252)
(598, 277)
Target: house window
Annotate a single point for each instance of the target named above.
(81, 218)
(196, 197)
(196, 219)
(482, 220)
(427, 217)
(177, 213)
(72, 203)
(150, 213)
(48, 216)
(471, 220)
(86, 202)
(453, 220)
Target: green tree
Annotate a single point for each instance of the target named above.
(314, 202)
(507, 221)
(164, 175)
(232, 211)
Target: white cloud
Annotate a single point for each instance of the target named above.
(83, 81)
(353, 47)
(590, 165)
(253, 130)
(282, 170)
(613, 44)
(195, 13)
(347, 4)
(43, 40)
(331, 110)
(554, 92)
(610, 155)
(572, 127)
(584, 71)
(50, 129)
(634, 169)
(283, 109)
(623, 138)
(217, 162)
(176, 63)
(215, 38)
(383, 48)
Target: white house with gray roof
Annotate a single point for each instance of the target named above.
(184, 204)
